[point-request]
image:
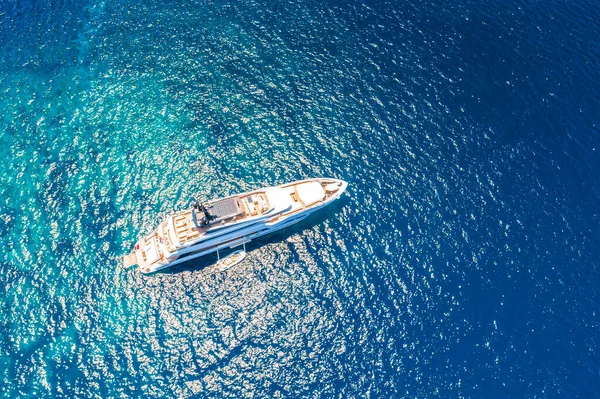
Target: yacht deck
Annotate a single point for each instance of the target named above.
(185, 227)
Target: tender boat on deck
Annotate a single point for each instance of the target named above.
(231, 221)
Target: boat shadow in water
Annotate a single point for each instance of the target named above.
(311, 221)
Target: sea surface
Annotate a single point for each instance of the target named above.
(463, 262)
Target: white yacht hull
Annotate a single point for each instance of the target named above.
(255, 227)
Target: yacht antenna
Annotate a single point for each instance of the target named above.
(203, 206)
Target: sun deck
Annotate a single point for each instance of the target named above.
(185, 227)
(308, 194)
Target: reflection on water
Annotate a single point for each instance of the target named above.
(465, 247)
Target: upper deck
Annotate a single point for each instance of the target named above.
(184, 226)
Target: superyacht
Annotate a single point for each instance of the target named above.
(229, 222)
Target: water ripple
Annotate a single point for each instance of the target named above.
(462, 261)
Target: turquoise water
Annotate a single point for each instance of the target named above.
(463, 261)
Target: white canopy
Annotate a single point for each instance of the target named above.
(309, 193)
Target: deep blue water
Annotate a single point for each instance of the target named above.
(463, 262)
